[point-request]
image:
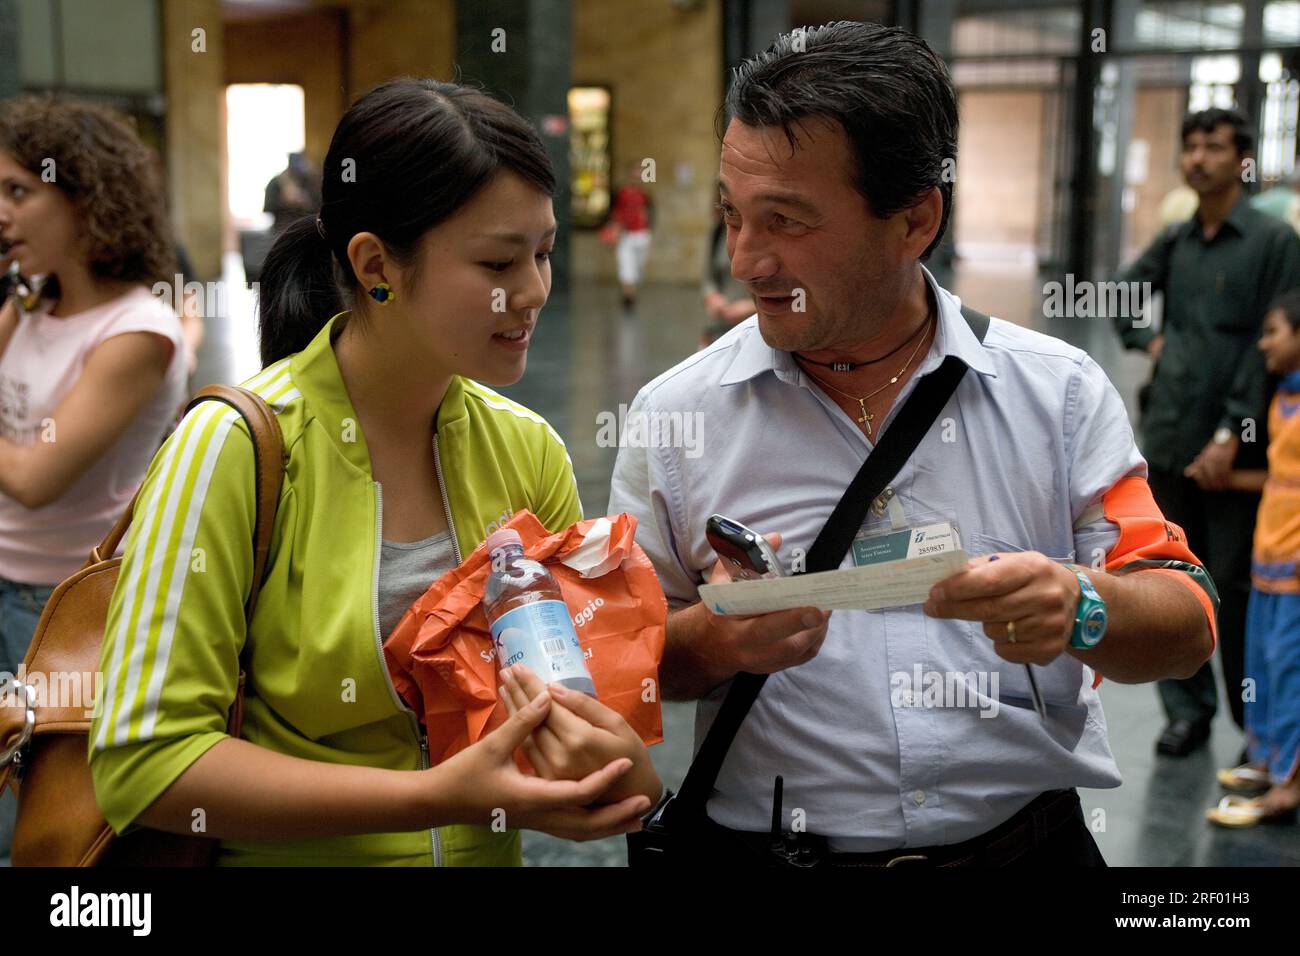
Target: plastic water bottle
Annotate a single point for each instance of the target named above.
(529, 620)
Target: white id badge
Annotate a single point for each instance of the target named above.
(898, 544)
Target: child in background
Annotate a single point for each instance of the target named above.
(1273, 619)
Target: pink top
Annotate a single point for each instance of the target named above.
(40, 366)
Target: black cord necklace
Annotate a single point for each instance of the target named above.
(850, 366)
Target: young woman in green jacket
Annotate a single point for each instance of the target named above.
(436, 227)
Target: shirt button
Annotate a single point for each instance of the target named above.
(919, 797)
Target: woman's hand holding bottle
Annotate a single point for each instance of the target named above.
(483, 785)
(578, 736)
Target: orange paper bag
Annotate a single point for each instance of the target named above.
(443, 661)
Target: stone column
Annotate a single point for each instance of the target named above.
(194, 83)
(522, 53)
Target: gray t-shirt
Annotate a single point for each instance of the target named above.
(406, 569)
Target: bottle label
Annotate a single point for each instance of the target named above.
(540, 636)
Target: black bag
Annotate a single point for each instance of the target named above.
(678, 824)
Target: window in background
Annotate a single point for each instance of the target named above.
(265, 122)
(1039, 30)
(589, 154)
(79, 45)
(1213, 78)
(1282, 22)
(1188, 24)
(1277, 132)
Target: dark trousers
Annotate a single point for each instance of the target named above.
(1220, 527)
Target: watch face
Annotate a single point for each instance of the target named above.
(1094, 626)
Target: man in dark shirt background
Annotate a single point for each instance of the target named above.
(1204, 412)
(292, 193)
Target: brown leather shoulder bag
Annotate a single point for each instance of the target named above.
(43, 747)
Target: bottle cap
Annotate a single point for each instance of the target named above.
(503, 538)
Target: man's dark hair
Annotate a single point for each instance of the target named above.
(884, 86)
(1206, 121)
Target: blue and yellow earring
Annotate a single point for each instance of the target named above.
(382, 293)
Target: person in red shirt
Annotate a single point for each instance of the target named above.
(631, 213)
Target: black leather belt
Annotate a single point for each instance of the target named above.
(1024, 831)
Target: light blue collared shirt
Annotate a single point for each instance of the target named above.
(1019, 460)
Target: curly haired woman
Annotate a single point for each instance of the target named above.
(90, 380)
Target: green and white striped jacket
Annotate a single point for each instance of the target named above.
(318, 685)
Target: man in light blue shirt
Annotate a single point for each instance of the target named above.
(833, 190)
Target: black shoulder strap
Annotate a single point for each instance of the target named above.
(883, 463)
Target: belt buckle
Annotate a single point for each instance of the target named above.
(906, 858)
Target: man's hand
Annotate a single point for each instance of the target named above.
(1039, 595)
(476, 783)
(1210, 469)
(723, 645)
(1155, 347)
(580, 736)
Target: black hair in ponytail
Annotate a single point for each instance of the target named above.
(404, 158)
(298, 290)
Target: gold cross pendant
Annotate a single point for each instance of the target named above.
(866, 417)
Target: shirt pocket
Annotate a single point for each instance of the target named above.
(1060, 682)
(1229, 303)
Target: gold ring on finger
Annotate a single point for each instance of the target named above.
(1011, 631)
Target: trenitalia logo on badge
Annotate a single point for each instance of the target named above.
(103, 909)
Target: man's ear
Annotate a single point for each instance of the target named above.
(922, 223)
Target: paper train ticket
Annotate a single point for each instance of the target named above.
(889, 584)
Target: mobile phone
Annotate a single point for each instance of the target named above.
(26, 292)
(745, 553)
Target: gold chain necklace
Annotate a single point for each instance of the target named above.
(867, 418)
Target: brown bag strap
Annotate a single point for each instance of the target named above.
(108, 547)
(268, 461)
(268, 458)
